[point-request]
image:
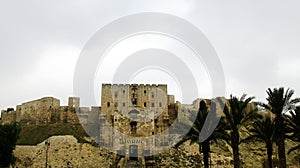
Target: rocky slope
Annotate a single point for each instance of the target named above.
(65, 151)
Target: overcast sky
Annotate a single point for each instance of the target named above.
(40, 42)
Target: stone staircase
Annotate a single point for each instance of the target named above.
(133, 164)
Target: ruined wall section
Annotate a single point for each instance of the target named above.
(68, 114)
(8, 115)
(38, 111)
(46, 110)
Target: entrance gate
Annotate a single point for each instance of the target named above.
(133, 152)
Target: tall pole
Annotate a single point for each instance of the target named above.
(209, 160)
(47, 143)
(209, 155)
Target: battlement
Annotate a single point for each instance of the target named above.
(44, 99)
(134, 84)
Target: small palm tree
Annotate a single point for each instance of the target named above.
(280, 102)
(197, 128)
(264, 130)
(294, 128)
(238, 114)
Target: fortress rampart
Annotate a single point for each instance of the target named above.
(47, 110)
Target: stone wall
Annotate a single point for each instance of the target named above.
(7, 116)
(44, 110)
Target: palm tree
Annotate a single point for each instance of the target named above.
(238, 114)
(280, 102)
(197, 127)
(294, 128)
(264, 130)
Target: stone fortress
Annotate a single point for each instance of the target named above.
(128, 116)
(133, 122)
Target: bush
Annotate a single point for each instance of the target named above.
(9, 134)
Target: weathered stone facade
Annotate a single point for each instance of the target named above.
(42, 111)
(134, 119)
(33, 112)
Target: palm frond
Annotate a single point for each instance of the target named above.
(294, 148)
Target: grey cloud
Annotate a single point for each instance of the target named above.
(250, 36)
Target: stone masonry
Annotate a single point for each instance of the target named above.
(133, 119)
(45, 110)
(131, 115)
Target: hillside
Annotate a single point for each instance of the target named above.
(30, 146)
(35, 134)
(77, 150)
(64, 151)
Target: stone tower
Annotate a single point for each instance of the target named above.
(74, 103)
(133, 113)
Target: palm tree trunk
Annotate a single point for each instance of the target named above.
(236, 157)
(269, 153)
(280, 142)
(200, 151)
(206, 150)
(235, 148)
(281, 153)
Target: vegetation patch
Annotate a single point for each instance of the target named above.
(35, 134)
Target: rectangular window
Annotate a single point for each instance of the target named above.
(145, 104)
(124, 104)
(134, 101)
(152, 104)
(160, 104)
(108, 104)
(145, 91)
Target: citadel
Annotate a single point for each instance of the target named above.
(133, 119)
(133, 127)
